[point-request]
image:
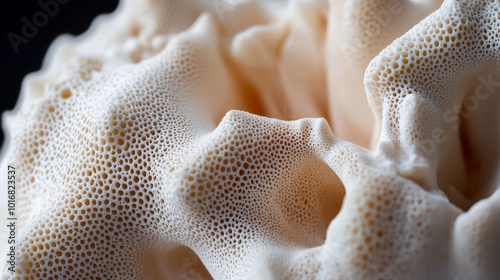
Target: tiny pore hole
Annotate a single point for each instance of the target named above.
(135, 30)
(66, 93)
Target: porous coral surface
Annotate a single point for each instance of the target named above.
(237, 140)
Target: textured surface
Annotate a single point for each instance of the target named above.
(184, 140)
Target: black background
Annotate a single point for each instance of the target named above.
(72, 18)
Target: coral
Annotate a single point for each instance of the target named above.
(199, 140)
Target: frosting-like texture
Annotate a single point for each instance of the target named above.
(235, 140)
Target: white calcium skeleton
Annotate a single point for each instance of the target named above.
(142, 149)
